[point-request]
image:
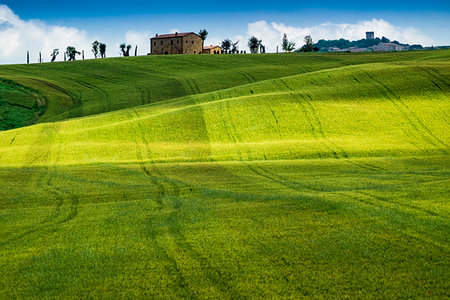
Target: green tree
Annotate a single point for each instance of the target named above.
(102, 48)
(55, 52)
(286, 45)
(95, 48)
(253, 44)
(309, 45)
(226, 45)
(385, 40)
(125, 49)
(72, 52)
(203, 34)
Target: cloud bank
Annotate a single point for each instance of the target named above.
(139, 39)
(18, 36)
(272, 33)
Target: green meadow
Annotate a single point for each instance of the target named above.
(226, 176)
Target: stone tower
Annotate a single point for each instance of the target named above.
(370, 35)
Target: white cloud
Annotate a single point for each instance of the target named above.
(173, 30)
(140, 39)
(272, 33)
(213, 40)
(18, 36)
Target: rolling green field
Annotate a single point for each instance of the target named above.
(234, 176)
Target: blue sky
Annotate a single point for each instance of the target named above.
(46, 24)
(100, 8)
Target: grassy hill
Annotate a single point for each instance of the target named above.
(82, 88)
(227, 177)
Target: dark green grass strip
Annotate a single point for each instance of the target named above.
(335, 228)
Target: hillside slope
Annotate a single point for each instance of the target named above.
(277, 176)
(367, 110)
(82, 88)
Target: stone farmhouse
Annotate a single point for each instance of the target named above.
(177, 43)
(212, 49)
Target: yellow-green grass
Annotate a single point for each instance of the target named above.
(370, 110)
(329, 182)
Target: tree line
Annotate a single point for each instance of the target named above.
(256, 45)
(98, 49)
(228, 47)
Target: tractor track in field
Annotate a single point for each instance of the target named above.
(44, 223)
(168, 197)
(76, 101)
(59, 193)
(313, 120)
(230, 127)
(360, 196)
(172, 268)
(293, 184)
(411, 207)
(104, 95)
(192, 86)
(106, 79)
(309, 120)
(283, 84)
(214, 276)
(247, 76)
(145, 94)
(139, 156)
(416, 125)
(181, 248)
(337, 151)
(219, 278)
(317, 130)
(13, 139)
(405, 229)
(46, 183)
(258, 170)
(276, 121)
(316, 127)
(437, 76)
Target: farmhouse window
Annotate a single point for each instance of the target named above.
(161, 42)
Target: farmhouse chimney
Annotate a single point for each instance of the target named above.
(176, 33)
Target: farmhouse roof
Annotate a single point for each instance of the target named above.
(172, 35)
(211, 47)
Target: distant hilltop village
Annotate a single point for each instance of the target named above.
(369, 44)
